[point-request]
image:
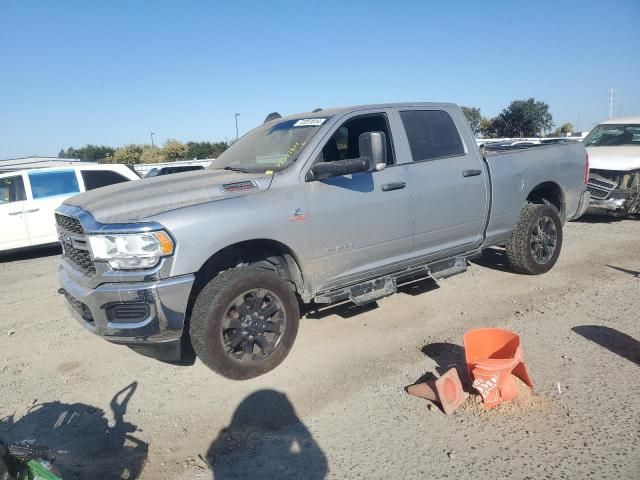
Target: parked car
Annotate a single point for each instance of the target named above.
(28, 199)
(614, 156)
(315, 208)
(157, 172)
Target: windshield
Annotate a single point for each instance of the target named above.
(270, 147)
(613, 136)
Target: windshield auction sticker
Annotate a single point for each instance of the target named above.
(309, 122)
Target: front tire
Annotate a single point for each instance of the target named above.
(535, 243)
(244, 322)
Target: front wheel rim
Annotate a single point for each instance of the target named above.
(544, 240)
(253, 326)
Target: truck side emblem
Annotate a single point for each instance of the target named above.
(298, 216)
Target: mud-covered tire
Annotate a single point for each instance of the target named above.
(210, 320)
(526, 238)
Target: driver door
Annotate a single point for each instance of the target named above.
(359, 222)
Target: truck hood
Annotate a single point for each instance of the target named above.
(620, 159)
(133, 201)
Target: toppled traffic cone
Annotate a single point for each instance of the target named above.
(446, 390)
(492, 356)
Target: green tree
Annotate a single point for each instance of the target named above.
(68, 153)
(565, 129)
(198, 149)
(523, 118)
(205, 149)
(174, 150)
(219, 148)
(487, 128)
(152, 155)
(473, 116)
(128, 154)
(88, 153)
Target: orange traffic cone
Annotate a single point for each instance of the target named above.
(492, 355)
(446, 390)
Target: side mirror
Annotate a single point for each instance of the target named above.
(373, 158)
(373, 145)
(324, 170)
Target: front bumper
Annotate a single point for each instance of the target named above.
(164, 303)
(610, 206)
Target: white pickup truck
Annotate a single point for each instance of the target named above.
(29, 197)
(614, 156)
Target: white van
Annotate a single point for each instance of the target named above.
(28, 199)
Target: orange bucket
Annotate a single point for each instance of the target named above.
(492, 356)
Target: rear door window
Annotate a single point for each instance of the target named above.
(101, 178)
(431, 134)
(12, 190)
(50, 184)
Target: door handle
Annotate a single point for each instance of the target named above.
(15, 213)
(32, 210)
(471, 173)
(387, 187)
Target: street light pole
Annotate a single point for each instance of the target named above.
(237, 115)
(610, 103)
(152, 134)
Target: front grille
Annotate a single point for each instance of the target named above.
(602, 183)
(79, 307)
(70, 224)
(71, 237)
(597, 193)
(600, 187)
(80, 258)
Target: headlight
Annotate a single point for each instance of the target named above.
(131, 251)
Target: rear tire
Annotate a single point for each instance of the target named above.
(535, 243)
(244, 322)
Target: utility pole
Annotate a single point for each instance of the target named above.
(237, 115)
(578, 122)
(610, 103)
(152, 134)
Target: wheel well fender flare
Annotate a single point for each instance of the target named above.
(549, 193)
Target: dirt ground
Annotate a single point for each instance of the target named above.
(336, 407)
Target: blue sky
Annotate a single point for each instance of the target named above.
(112, 72)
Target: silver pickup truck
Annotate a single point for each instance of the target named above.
(316, 208)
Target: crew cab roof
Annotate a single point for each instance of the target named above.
(329, 112)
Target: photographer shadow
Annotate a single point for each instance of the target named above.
(92, 448)
(266, 440)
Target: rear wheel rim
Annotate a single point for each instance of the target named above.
(544, 240)
(253, 326)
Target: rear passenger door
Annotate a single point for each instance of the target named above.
(100, 178)
(449, 189)
(49, 188)
(13, 226)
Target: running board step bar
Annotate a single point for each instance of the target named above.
(372, 290)
(448, 268)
